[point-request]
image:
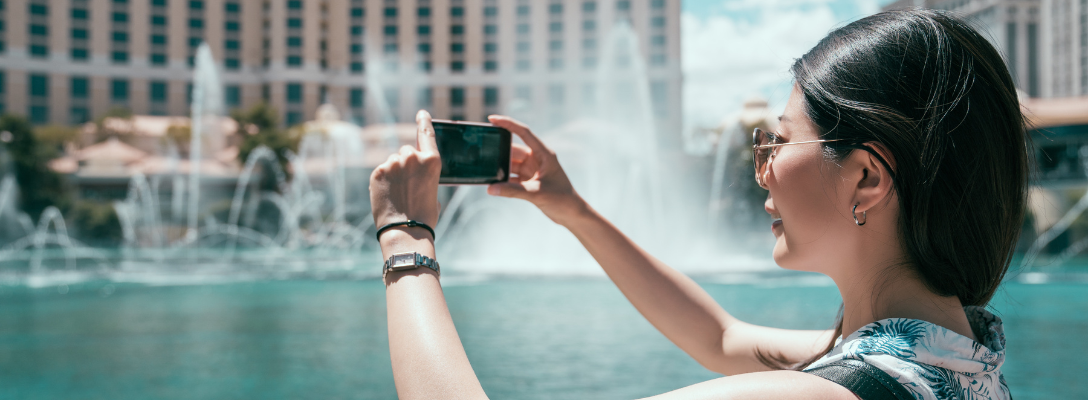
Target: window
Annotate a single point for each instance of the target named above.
(39, 9)
(80, 54)
(555, 27)
(158, 3)
(555, 8)
(120, 37)
(524, 65)
(623, 5)
(356, 48)
(390, 30)
(119, 90)
(425, 97)
(231, 44)
(358, 12)
(79, 33)
(158, 20)
(358, 98)
(39, 86)
(232, 63)
(294, 23)
(158, 59)
(195, 41)
(119, 57)
(589, 44)
(294, 41)
(491, 96)
(196, 5)
(356, 30)
(424, 47)
(658, 40)
(293, 118)
(589, 6)
(523, 11)
(157, 91)
(389, 48)
(457, 66)
(491, 11)
(232, 26)
(357, 67)
(79, 13)
(39, 115)
(78, 115)
(523, 47)
(120, 17)
(657, 22)
(523, 28)
(555, 63)
(294, 4)
(457, 11)
(39, 51)
(294, 61)
(491, 47)
(232, 7)
(424, 30)
(457, 96)
(658, 60)
(491, 29)
(589, 26)
(196, 23)
(589, 62)
(556, 45)
(424, 12)
(390, 12)
(232, 95)
(294, 93)
(657, 4)
(457, 47)
(40, 30)
(457, 29)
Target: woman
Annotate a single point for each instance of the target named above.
(899, 170)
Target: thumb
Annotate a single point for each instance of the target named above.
(513, 189)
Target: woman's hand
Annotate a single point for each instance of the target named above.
(405, 187)
(540, 179)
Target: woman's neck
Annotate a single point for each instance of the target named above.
(896, 292)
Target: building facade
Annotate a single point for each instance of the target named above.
(1044, 42)
(67, 61)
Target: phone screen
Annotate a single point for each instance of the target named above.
(472, 153)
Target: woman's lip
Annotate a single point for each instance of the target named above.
(775, 224)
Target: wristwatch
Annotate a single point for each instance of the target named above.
(407, 261)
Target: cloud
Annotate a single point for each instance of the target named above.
(747, 50)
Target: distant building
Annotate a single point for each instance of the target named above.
(1044, 42)
(66, 61)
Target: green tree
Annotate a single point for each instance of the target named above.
(259, 125)
(39, 186)
(54, 137)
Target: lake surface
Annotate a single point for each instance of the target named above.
(527, 339)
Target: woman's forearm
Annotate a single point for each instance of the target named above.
(670, 300)
(428, 359)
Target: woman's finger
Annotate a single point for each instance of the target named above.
(518, 128)
(519, 152)
(406, 150)
(425, 138)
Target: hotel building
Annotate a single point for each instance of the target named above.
(67, 61)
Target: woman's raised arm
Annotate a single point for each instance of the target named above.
(670, 300)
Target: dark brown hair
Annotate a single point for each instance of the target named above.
(938, 96)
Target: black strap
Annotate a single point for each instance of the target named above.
(866, 381)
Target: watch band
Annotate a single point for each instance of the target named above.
(407, 261)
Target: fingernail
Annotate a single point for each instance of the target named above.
(493, 190)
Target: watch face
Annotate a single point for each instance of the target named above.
(404, 260)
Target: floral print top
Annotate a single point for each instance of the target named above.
(933, 363)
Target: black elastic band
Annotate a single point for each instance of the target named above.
(865, 380)
(408, 223)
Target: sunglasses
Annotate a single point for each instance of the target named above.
(764, 146)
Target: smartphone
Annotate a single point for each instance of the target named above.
(472, 152)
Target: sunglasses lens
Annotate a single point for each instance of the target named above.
(760, 155)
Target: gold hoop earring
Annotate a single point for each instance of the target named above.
(855, 212)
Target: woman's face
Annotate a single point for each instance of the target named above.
(807, 198)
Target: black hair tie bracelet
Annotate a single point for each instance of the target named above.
(408, 223)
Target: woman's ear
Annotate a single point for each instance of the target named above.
(874, 184)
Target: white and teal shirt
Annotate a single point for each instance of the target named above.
(933, 363)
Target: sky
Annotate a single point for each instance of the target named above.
(736, 49)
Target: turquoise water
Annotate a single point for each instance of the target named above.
(542, 339)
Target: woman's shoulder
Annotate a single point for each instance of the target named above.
(933, 362)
